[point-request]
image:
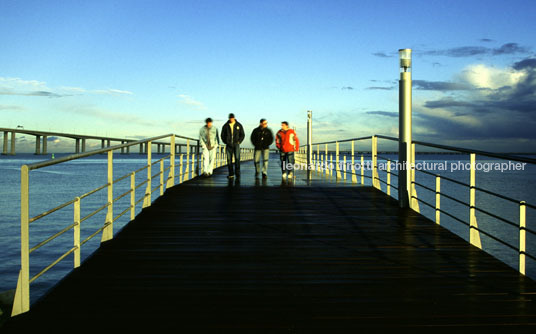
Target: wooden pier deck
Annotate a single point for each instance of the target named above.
(209, 255)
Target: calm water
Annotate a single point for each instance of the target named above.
(54, 185)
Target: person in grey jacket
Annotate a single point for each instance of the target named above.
(209, 140)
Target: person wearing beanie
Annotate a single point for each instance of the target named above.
(261, 138)
(232, 135)
(209, 140)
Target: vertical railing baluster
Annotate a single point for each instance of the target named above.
(108, 231)
(413, 189)
(522, 236)
(327, 162)
(161, 177)
(354, 176)
(132, 195)
(362, 169)
(187, 162)
(147, 199)
(171, 175)
(474, 235)
(337, 167)
(388, 177)
(181, 173)
(438, 200)
(375, 177)
(76, 232)
(21, 302)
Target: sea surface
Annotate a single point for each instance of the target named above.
(54, 185)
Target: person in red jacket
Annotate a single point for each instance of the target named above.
(287, 142)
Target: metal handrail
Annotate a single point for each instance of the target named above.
(21, 302)
(325, 156)
(191, 170)
(51, 162)
(471, 151)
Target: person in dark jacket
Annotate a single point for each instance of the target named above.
(232, 134)
(261, 138)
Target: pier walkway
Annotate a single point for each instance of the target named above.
(291, 257)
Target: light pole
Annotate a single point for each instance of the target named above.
(404, 130)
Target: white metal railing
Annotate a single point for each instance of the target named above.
(327, 162)
(189, 165)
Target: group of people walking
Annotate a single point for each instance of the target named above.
(233, 134)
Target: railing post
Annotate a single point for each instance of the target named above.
(187, 166)
(161, 177)
(198, 158)
(181, 174)
(147, 199)
(193, 165)
(438, 200)
(337, 167)
(414, 203)
(21, 303)
(76, 231)
(362, 169)
(474, 235)
(522, 236)
(108, 232)
(375, 176)
(404, 129)
(309, 144)
(388, 177)
(354, 177)
(171, 175)
(327, 161)
(132, 195)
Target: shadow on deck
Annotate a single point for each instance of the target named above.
(289, 258)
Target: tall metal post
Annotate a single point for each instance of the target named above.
(309, 144)
(404, 129)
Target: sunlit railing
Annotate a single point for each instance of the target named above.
(326, 161)
(189, 165)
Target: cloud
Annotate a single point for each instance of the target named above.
(383, 55)
(486, 40)
(383, 113)
(187, 100)
(469, 51)
(21, 87)
(500, 107)
(440, 85)
(380, 88)
(112, 92)
(347, 88)
(485, 77)
(7, 107)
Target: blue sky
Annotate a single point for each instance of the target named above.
(141, 68)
